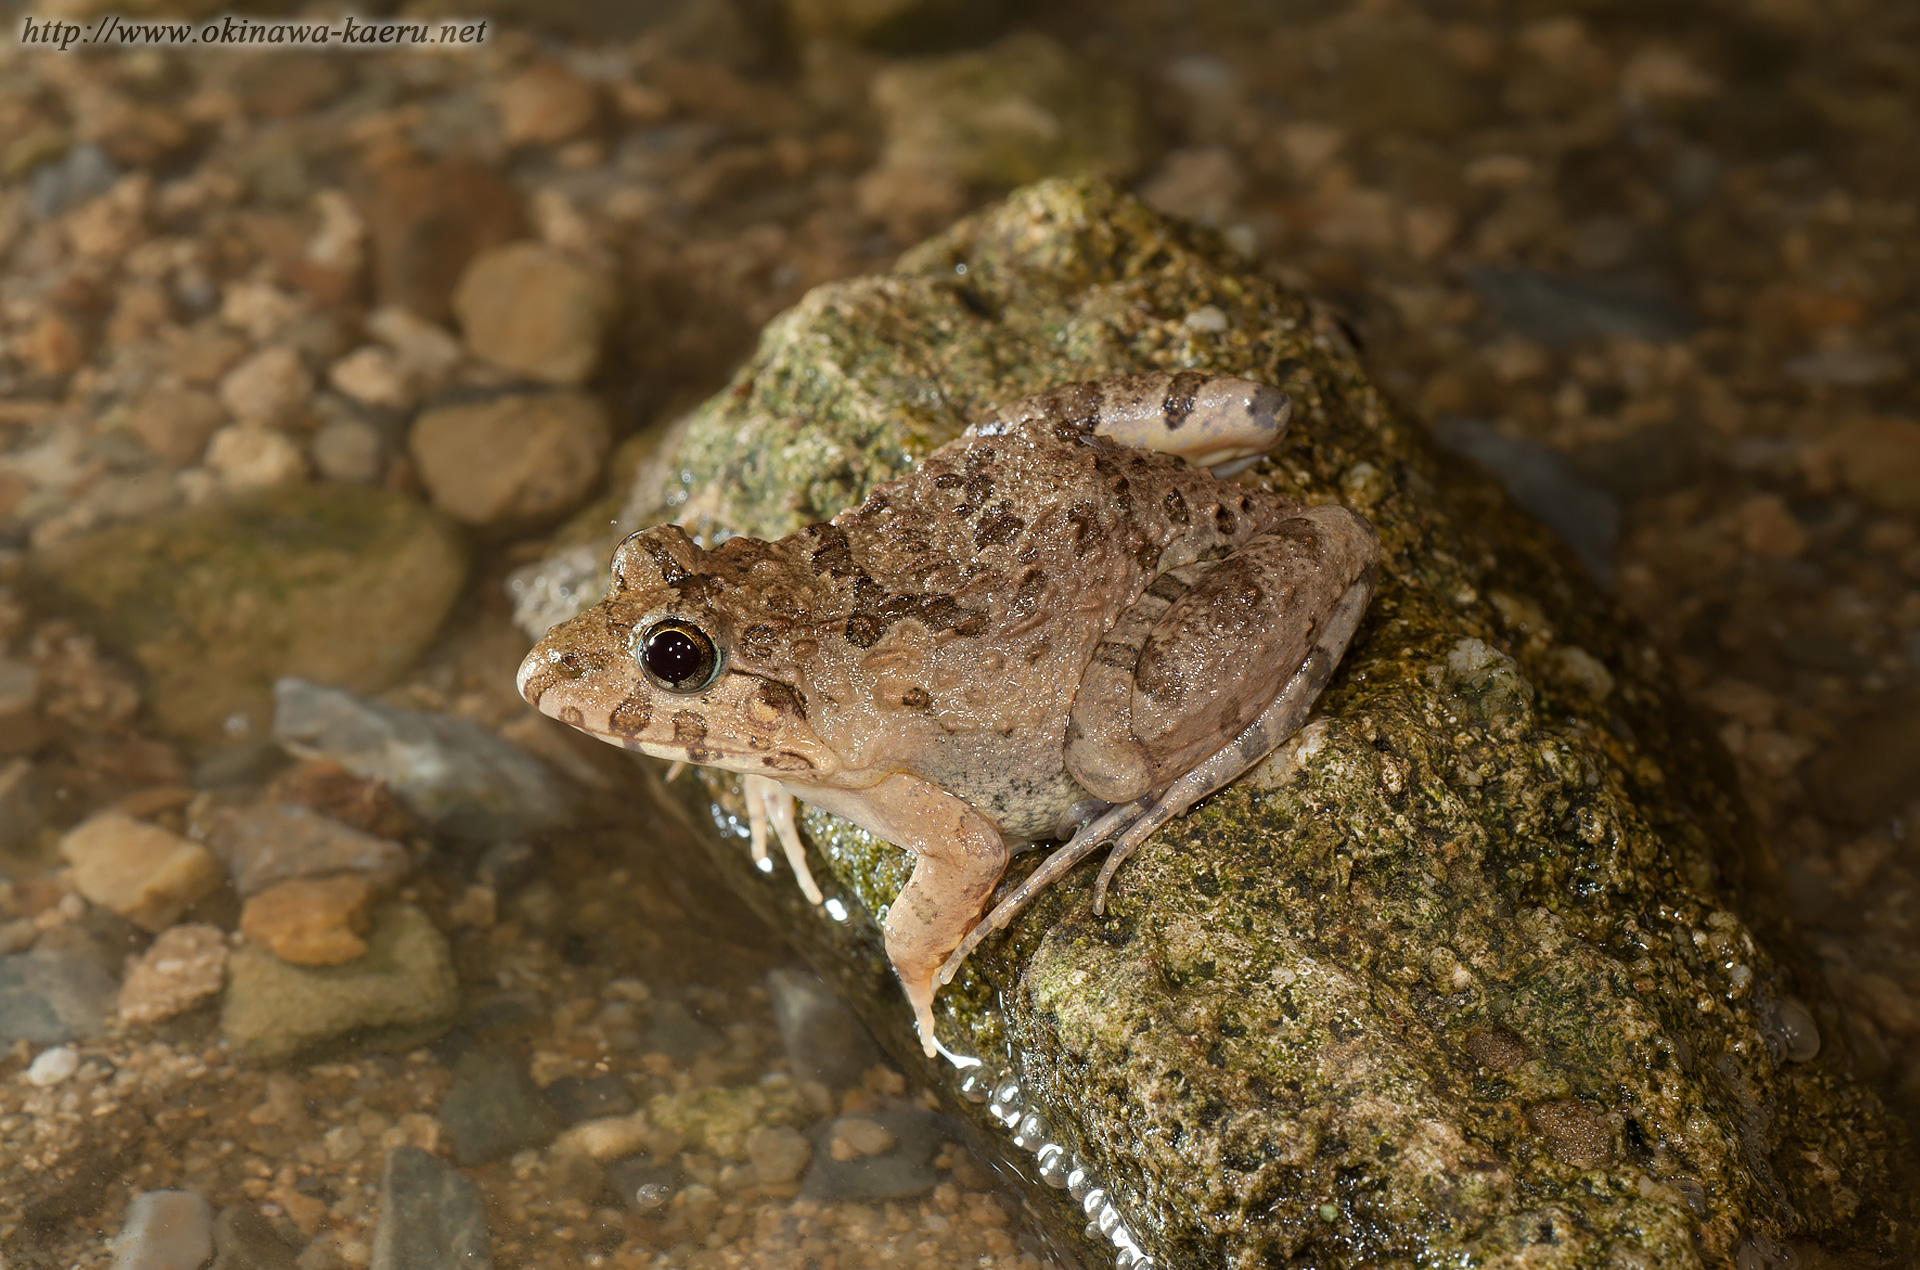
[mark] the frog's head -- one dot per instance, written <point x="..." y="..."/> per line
<point x="653" y="667"/>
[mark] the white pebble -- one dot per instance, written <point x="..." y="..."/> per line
<point x="53" y="1066"/>
<point x="1206" y="318"/>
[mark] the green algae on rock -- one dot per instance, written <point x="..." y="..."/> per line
<point x="400" y="993"/>
<point x="1481" y="968"/>
<point x="333" y="583"/>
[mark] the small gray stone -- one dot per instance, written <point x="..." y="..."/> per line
<point x="50" y="997"/>
<point x="824" y="1038"/>
<point x="165" y="1230"/>
<point x="83" y="172"/>
<point x="272" y="842"/>
<point x="244" y="1240"/>
<point x="451" y="772"/>
<point x="431" y="1217"/>
<point x="1546" y="485"/>
<point x="492" y="1109"/>
<point x="899" y="1173"/>
<point x="1561" y="312"/>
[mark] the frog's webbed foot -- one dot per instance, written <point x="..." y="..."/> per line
<point x="769" y="802"/>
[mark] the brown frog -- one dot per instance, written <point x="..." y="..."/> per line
<point x="1062" y="625"/>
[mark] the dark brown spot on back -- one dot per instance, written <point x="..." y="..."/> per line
<point x="571" y="715"/>
<point x="998" y="529"/>
<point x="864" y="630"/>
<point x="1175" y="507"/>
<point x="1223" y="520"/>
<point x="916" y="698"/>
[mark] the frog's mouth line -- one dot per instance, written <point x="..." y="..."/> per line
<point x="647" y="716"/>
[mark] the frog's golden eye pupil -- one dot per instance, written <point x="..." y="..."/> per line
<point x="678" y="656"/>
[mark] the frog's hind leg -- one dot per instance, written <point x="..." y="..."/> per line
<point x="1212" y="421"/>
<point x="768" y="802"/>
<point x="1128" y="825"/>
<point x="1280" y="720"/>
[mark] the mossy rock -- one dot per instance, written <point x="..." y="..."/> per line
<point x="1483" y="968"/>
<point x="333" y="583"/>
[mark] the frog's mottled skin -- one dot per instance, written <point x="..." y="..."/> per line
<point x="1052" y="623"/>
<point x="1482" y="969"/>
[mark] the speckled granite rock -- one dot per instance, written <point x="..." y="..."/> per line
<point x="1482" y="969"/>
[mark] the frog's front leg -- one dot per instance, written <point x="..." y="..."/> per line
<point x="769" y="803"/>
<point x="959" y="857"/>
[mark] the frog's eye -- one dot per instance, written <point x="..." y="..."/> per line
<point x="678" y="656"/>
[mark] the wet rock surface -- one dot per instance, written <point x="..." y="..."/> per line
<point x="1498" y="822"/>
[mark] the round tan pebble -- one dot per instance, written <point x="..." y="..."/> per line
<point x="855" y="1136"/>
<point x="533" y="311"/>
<point x="544" y="105"/>
<point x="142" y="872"/>
<point x="183" y="967"/>
<point x="311" y="921"/>
<point x="372" y="376"/>
<point x="270" y="388"/>
<point x="176" y="422"/>
<point x="348" y="450"/>
<point x="517" y="459"/>
<point x="778" y="1155"/>
<point x="251" y="457"/>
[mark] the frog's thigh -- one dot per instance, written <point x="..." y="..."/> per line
<point x="1216" y="656"/>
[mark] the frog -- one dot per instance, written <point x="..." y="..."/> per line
<point x="1065" y="627"/>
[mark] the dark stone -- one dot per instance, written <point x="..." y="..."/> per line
<point x="48" y="997"/>
<point x="824" y="1038"/>
<point x="1873" y="769"/>
<point x="244" y="1240"/>
<point x="1560" y="312"/>
<point x="492" y="1109"/>
<point x="1541" y="481"/>
<point x="900" y="1173"/>
<point x="577" y="1098"/>
<point x="431" y="1217"/>
<point x="675" y="1032"/>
